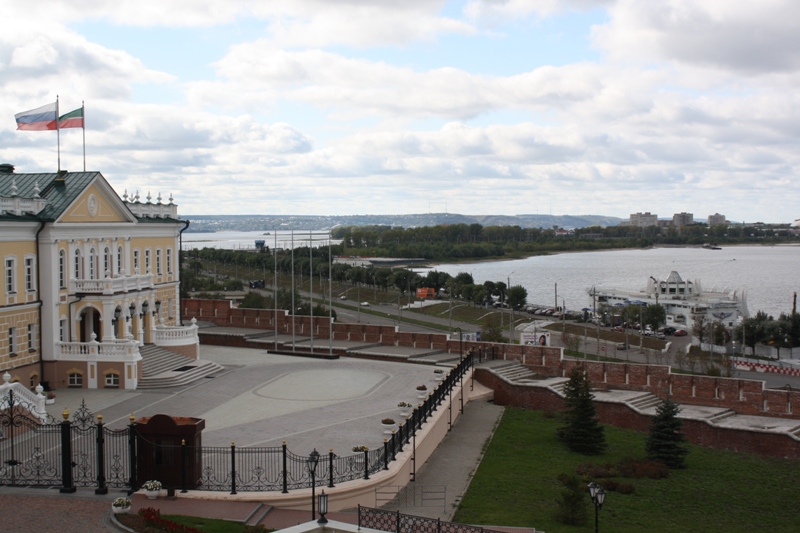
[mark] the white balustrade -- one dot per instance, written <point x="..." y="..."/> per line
<point x="153" y="210"/>
<point x="113" y="285"/>
<point x="32" y="401"/>
<point x="176" y="335"/>
<point x="15" y="205"/>
<point x="98" y="351"/>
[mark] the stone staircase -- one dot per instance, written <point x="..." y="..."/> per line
<point x="517" y="373"/>
<point x="162" y="368"/>
<point x="645" y="401"/>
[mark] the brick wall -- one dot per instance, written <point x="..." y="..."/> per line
<point x="620" y="415"/>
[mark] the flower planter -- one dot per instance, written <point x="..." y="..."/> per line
<point x="422" y="394"/>
<point x="152" y="494"/>
<point x="121" y="510"/>
<point x="405" y="412"/>
<point x="49" y="401"/>
<point x="438" y="377"/>
<point x="388" y="428"/>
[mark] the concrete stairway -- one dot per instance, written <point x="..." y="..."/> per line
<point x="517" y="373"/>
<point x="162" y="368"/>
<point x="645" y="401"/>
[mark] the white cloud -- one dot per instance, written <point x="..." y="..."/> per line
<point x="736" y="35"/>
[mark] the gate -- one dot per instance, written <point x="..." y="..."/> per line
<point x="81" y="453"/>
<point x="30" y="452"/>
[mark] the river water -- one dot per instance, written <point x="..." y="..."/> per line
<point x="769" y="274"/>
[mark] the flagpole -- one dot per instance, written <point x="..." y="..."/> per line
<point x="58" y="137"/>
<point x="83" y="114"/>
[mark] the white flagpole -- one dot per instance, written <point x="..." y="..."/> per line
<point x="58" y="137"/>
<point x="83" y="121"/>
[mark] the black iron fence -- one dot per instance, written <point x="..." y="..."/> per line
<point x="397" y="522"/>
<point x="85" y="453"/>
<point x="255" y="469"/>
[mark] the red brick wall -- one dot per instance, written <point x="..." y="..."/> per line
<point x="620" y="415"/>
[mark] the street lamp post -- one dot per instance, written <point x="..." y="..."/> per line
<point x="598" y="496"/>
<point x="311" y="464"/>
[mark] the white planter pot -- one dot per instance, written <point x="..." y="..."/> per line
<point x="422" y="394"/>
<point x="49" y="401"/>
<point x="388" y="428"/>
<point x="439" y="377"/>
<point x="152" y="494"/>
<point x="121" y="510"/>
<point x="405" y="412"/>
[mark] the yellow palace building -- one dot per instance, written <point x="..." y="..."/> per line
<point x="89" y="280"/>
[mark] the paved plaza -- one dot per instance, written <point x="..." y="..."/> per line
<point x="262" y="399"/>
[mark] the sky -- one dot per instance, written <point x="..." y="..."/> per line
<point x="345" y="107"/>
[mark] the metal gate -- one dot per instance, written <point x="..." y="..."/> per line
<point x="30" y="452"/>
<point x="81" y="453"/>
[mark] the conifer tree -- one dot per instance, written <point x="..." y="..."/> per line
<point x="665" y="440"/>
<point x="582" y="432"/>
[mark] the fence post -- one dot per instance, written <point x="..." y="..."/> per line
<point x="66" y="455"/>
<point x="233" y="467"/>
<point x="101" y="458"/>
<point x="366" y="464"/>
<point x="330" y="468"/>
<point x="134" y="481"/>
<point x="398" y="522"/>
<point x="385" y="454"/>
<point x="285" y="473"/>
<point x="394" y="447"/>
<point x="438" y="525"/>
<point x="183" y="467"/>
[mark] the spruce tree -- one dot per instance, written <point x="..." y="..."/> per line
<point x="582" y="432"/>
<point x="665" y="441"/>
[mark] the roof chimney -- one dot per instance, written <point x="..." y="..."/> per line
<point x="61" y="177"/>
<point x="6" y="168"/>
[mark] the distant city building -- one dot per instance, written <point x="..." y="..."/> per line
<point x="643" y="220"/>
<point x="682" y="219"/>
<point x="716" y="220"/>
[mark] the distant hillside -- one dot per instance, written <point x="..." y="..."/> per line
<point x="213" y="223"/>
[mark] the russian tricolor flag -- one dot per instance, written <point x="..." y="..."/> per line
<point x="39" y="119"/>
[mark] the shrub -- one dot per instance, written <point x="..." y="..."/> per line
<point x="625" y="488"/>
<point x="153" y="518"/>
<point x="421" y="387"/>
<point x="572" y="501"/>
<point x="640" y="468"/>
<point x="388" y="421"/>
<point x="595" y="471"/>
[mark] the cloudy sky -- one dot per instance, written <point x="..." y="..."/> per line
<point x="386" y="107"/>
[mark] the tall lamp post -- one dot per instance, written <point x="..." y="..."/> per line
<point x="598" y="496"/>
<point x="311" y="464"/>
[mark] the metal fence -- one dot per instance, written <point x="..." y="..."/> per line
<point x="397" y="522"/>
<point x="84" y="453"/>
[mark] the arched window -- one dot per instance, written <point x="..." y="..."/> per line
<point x="106" y="262"/>
<point x="62" y="269"/>
<point x="92" y="256"/>
<point x="78" y="264"/>
<point x="119" y="259"/>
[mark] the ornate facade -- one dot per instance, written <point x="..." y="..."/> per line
<point x="89" y="277"/>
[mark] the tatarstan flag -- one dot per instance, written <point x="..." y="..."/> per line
<point x="73" y="119"/>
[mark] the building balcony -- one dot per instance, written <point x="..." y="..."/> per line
<point x="158" y="210"/>
<point x="126" y="351"/>
<point x="118" y="285"/>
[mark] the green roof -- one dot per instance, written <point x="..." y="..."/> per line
<point x="59" y="195"/>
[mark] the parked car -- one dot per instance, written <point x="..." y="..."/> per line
<point x="364" y="304"/>
<point x="622" y="346"/>
<point x="661" y="336"/>
<point x="680" y="333"/>
<point x="343" y="297"/>
<point x="669" y="330"/>
<point x="618" y="328"/>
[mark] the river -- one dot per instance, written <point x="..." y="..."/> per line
<point x="769" y="274"/>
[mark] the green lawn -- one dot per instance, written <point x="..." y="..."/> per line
<point x="517" y="485"/>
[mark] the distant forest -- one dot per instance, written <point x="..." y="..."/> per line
<point x="473" y="241"/>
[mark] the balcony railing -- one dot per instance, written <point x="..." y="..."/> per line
<point x="126" y="351"/>
<point x="15" y="205"/>
<point x="176" y="335"/>
<point x="112" y="285"/>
